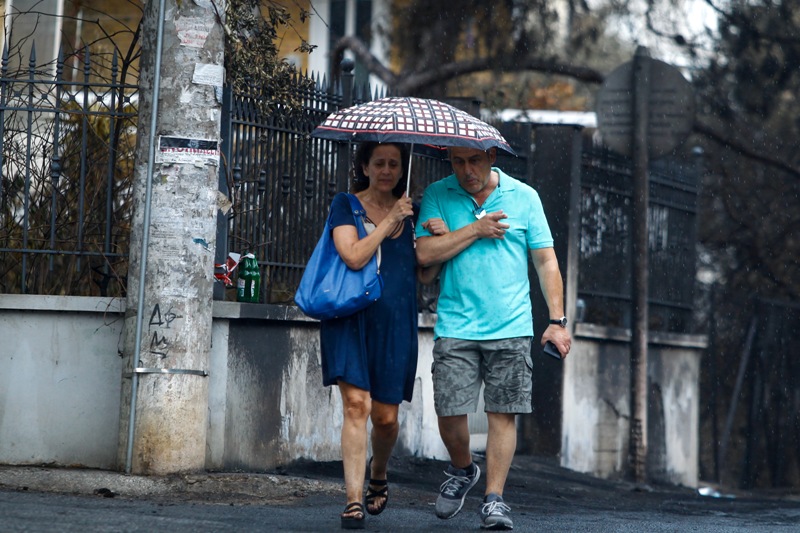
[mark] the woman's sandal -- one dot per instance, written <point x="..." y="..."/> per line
<point x="353" y="516"/>
<point x="373" y="495"/>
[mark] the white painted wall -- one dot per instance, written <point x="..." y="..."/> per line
<point x="60" y="387"/>
<point x="318" y="34"/>
<point x="60" y="374"/>
<point x="596" y="404"/>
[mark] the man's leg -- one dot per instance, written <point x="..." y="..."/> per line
<point x="456" y="385"/>
<point x="507" y="392"/>
<point x="462" y="473"/>
<point x="501" y="444"/>
<point x="454" y="431"/>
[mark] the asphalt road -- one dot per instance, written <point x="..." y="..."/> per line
<point x="309" y="497"/>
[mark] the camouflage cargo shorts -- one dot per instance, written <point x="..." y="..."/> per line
<point x="504" y="366"/>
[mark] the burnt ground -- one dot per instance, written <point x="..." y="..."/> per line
<point x="539" y="482"/>
<point x="308" y="496"/>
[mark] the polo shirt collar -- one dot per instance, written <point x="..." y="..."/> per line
<point x="505" y="183"/>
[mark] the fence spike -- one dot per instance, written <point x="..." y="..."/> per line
<point x="4" y="67"/>
<point x="60" y="64"/>
<point x="114" y="66"/>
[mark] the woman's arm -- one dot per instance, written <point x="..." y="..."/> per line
<point x="356" y="252"/>
<point x="428" y="274"/>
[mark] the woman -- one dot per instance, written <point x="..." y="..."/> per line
<point x="372" y="355"/>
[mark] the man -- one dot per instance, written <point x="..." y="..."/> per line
<point x="484" y="326"/>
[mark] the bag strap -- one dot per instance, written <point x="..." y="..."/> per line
<point x="358" y="214"/>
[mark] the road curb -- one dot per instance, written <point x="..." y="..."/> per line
<point x="240" y="486"/>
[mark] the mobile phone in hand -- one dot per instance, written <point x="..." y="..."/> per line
<point x="551" y="350"/>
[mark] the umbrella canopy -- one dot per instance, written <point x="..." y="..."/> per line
<point x="410" y="120"/>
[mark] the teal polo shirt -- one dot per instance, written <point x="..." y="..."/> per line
<point x="484" y="290"/>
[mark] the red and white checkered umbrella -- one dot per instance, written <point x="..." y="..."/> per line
<point x="410" y="120"/>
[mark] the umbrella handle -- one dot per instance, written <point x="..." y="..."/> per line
<point x="408" y="179"/>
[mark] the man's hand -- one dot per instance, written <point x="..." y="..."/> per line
<point x="558" y="336"/>
<point x="490" y="227"/>
<point x="440" y="248"/>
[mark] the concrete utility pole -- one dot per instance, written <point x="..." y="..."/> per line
<point x="639" y="269"/>
<point x="645" y="109"/>
<point x="167" y="338"/>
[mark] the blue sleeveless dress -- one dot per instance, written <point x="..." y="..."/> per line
<point x="376" y="348"/>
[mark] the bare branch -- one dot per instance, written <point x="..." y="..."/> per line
<point x="362" y="52"/>
<point x="720" y="138"/>
<point x="415" y="82"/>
<point x="412" y="83"/>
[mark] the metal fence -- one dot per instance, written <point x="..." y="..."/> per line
<point x="604" y="283"/>
<point x="65" y="169"/>
<point x="282" y="181"/>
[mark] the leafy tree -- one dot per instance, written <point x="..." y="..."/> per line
<point x="253" y="63"/>
<point x="498" y="51"/>
<point x="750" y="207"/>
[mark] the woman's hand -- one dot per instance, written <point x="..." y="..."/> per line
<point x="435" y="226"/>
<point x="401" y="210"/>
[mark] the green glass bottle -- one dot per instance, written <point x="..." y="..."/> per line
<point x="243" y="281"/>
<point x="255" y="280"/>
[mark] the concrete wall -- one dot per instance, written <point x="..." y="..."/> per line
<point x="61" y="381"/>
<point x="268" y="403"/>
<point x="60" y="372"/>
<point x="596" y="405"/>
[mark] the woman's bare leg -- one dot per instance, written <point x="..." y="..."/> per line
<point x="356" y="405"/>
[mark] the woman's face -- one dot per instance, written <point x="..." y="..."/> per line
<point x="384" y="167"/>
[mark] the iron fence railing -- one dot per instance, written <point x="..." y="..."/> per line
<point x="281" y="183"/>
<point x="605" y="241"/>
<point x="65" y="168"/>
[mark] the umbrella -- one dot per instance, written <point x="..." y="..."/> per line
<point x="413" y="121"/>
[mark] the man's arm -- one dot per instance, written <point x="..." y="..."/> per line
<point x="436" y="249"/>
<point x="546" y="265"/>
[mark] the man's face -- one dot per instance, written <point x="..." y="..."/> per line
<point x="473" y="167"/>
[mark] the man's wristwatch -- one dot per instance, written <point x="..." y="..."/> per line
<point x="559" y="321"/>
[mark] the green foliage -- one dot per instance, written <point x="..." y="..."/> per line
<point x="499" y="51"/>
<point x="253" y="65"/>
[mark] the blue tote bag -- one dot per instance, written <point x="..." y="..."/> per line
<point x="331" y="289"/>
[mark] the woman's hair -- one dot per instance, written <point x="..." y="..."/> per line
<point x="360" y="181"/>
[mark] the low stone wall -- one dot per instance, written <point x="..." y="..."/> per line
<point x="61" y="382"/>
<point x="596" y="405"/>
<point x="268" y="404"/>
<point x="62" y="378"/>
